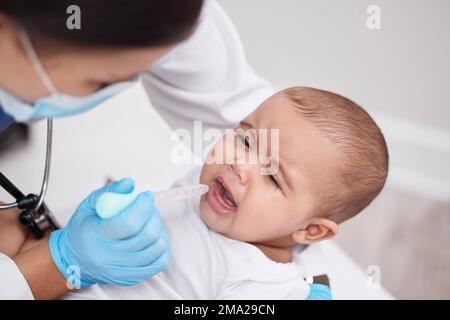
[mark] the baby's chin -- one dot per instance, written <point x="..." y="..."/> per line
<point x="212" y="219"/>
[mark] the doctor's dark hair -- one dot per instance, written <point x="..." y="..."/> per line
<point x="362" y="161"/>
<point x="107" y="23"/>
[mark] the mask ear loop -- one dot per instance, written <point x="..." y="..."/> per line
<point x="37" y="65"/>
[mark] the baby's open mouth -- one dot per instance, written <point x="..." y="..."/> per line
<point x="220" y="198"/>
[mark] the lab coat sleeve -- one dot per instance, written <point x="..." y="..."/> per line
<point x="207" y="77"/>
<point x="12" y="282"/>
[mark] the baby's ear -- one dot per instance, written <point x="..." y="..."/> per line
<point x="318" y="229"/>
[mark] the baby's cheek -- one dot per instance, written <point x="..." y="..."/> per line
<point x="271" y="219"/>
<point x="254" y="221"/>
<point x="209" y="173"/>
<point x="204" y="174"/>
<point x="217" y="153"/>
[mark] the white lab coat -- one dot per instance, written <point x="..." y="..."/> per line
<point x="208" y="78"/>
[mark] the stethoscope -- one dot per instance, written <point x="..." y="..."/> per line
<point x="34" y="212"/>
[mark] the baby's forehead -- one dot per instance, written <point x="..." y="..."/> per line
<point x="279" y="114"/>
<point x="276" y="111"/>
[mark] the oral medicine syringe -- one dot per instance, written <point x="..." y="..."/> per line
<point x="110" y="203"/>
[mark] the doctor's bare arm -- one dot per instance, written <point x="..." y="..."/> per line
<point x="13" y="235"/>
<point x="31" y="256"/>
<point x="41" y="273"/>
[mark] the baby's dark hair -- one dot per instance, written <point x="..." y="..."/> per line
<point x="360" y="143"/>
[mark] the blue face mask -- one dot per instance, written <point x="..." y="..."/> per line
<point x="55" y="105"/>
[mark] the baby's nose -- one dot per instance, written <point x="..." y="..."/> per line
<point x="243" y="171"/>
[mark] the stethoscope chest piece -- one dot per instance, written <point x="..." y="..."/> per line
<point x="38" y="221"/>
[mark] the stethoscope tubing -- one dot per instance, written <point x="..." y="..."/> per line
<point x="45" y="179"/>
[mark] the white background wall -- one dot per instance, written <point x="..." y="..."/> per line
<point x="402" y="70"/>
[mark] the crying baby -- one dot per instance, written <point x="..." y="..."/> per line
<point x="248" y="237"/>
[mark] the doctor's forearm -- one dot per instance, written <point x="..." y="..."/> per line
<point x="41" y="273"/>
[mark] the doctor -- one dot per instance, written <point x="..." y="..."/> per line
<point x="191" y="63"/>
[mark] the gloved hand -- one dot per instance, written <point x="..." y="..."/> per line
<point x="123" y="250"/>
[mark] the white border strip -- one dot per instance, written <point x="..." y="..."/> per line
<point x="419" y="157"/>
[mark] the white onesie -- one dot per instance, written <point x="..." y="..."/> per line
<point x="207" y="265"/>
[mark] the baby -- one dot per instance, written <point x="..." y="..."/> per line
<point x="244" y="238"/>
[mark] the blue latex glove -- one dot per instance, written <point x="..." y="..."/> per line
<point x="319" y="292"/>
<point x="123" y="250"/>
